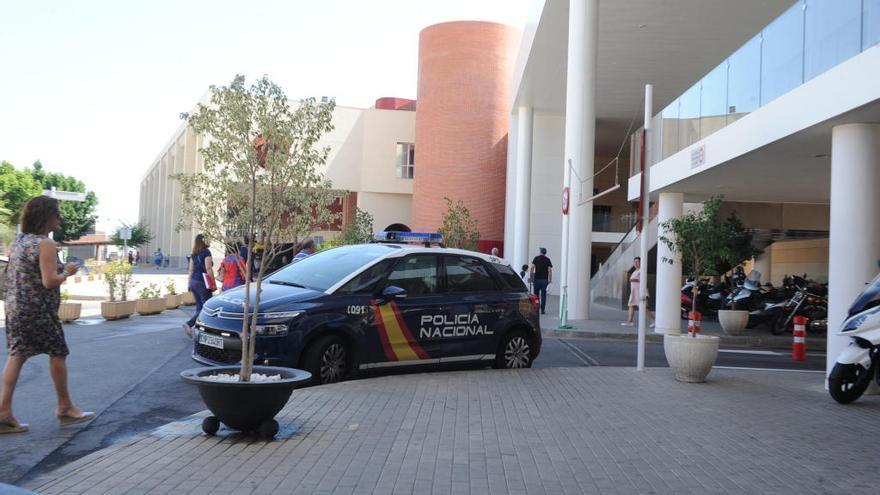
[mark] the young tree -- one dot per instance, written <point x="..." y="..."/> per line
<point x="361" y="230"/>
<point x="459" y="228"/>
<point x="140" y="235"/>
<point x="261" y="180"/>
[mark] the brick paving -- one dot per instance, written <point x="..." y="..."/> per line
<point x="556" y="431"/>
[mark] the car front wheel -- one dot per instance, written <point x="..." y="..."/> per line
<point x="327" y="360"/>
<point x="515" y="351"/>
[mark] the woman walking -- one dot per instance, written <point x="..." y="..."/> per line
<point x="201" y="278"/>
<point x="232" y="269"/>
<point x="33" y="277"/>
<point x="634" y="291"/>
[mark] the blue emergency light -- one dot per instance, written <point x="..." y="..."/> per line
<point x="426" y="238"/>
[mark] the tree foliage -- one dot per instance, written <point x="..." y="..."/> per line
<point x="459" y="229"/>
<point x="704" y="242"/>
<point x="141" y="235"/>
<point x="361" y="230"/>
<point x="261" y="180"/>
<point x="17" y="187"/>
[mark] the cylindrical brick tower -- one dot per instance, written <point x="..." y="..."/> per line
<point x="465" y="72"/>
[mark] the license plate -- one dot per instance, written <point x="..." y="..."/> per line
<point x="211" y="340"/>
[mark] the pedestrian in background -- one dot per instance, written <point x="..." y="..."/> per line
<point x="635" y="279"/>
<point x="232" y="269"/>
<point x="541" y="276"/>
<point x="306" y="249"/>
<point x="32" y="296"/>
<point x="157" y="258"/>
<point x="201" y="278"/>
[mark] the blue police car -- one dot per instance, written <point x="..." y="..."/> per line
<point x="384" y="304"/>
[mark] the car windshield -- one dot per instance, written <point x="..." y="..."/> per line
<point x="326" y="268"/>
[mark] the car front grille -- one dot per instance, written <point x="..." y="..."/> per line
<point x="218" y="355"/>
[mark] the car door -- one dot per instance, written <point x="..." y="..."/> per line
<point x="401" y="323"/>
<point x="474" y="303"/>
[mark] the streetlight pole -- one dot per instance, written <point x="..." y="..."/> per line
<point x="643" y="236"/>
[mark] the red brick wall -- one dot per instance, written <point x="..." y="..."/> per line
<point x="465" y="71"/>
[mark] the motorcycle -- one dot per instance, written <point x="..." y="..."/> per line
<point x="709" y="298"/>
<point x="803" y="303"/>
<point x="857" y="364"/>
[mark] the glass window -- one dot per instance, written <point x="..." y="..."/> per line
<point x="782" y="54"/>
<point x="669" y="129"/>
<point x="832" y="34"/>
<point x="366" y="282"/>
<point x="713" y="101"/>
<point x="511" y="278"/>
<point x="689" y="117"/>
<point x="744" y="80"/>
<point x="870" y="23"/>
<point x="416" y="274"/>
<point x="405" y="162"/>
<point x="325" y="269"/>
<point x="467" y="275"/>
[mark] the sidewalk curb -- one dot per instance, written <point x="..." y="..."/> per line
<point x="770" y="341"/>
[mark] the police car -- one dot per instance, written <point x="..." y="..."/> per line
<point x="378" y="305"/>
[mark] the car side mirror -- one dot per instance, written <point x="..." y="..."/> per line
<point x="392" y="293"/>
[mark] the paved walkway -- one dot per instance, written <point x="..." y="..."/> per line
<point x="562" y="430"/>
<point x="605" y="323"/>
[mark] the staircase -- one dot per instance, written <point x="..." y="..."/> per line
<point x="611" y="282"/>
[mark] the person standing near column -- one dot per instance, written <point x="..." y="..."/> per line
<point x="32" y="297"/>
<point x="541" y="274"/>
<point x="635" y="278"/>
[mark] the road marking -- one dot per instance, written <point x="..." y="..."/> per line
<point x="578" y="353"/>
<point x="763" y="353"/>
<point x="766" y="369"/>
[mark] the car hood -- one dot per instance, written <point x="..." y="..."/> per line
<point x="273" y="297"/>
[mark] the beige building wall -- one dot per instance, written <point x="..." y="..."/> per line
<point x="799" y="257"/>
<point x="363" y="147"/>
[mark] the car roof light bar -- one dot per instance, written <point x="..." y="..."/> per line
<point x="426" y="238"/>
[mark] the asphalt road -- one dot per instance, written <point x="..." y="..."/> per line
<point x="127" y="371"/>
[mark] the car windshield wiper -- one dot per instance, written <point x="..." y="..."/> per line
<point x="289" y="284"/>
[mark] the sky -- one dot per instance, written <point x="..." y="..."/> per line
<point x="94" y="89"/>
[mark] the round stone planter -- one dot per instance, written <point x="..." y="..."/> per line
<point x="691" y="357"/>
<point x="188" y="299"/>
<point x="68" y="311"/>
<point x="117" y="310"/>
<point x="733" y="322"/>
<point x="246" y="406"/>
<point x="172" y="301"/>
<point x="152" y="306"/>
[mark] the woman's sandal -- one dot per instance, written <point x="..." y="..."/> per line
<point x="67" y="420"/>
<point x="8" y="426"/>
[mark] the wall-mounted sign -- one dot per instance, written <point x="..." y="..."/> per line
<point x="698" y="156"/>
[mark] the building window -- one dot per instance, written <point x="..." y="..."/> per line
<point x="406" y="158"/>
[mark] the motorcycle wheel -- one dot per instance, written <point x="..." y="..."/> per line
<point x="776" y="327"/>
<point x="849" y="382"/>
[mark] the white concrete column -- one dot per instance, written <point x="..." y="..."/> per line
<point x="763" y="264"/>
<point x="510" y="191"/>
<point x="854" y="245"/>
<point x="580" y="137"/>
<point x="522" y="210"/>
<point x="668" y="296"/>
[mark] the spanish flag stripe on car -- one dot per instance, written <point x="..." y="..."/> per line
<point x="397" y="341"/>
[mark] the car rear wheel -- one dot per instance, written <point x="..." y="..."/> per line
<point x="327" y="359"/>
<point x="515" y="351"/>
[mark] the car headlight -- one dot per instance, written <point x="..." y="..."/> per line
<point x="271" y="329"/>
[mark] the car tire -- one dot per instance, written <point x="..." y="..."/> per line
<point x="327" y="359"/>
<point x="515" y="351"/>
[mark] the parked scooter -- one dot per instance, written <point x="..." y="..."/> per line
<point x="857" y="364"/>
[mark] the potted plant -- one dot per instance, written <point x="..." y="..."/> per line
<point x="172" y="298"/>
<point x="68" y="311"/>
<point x="187" y="299"/>
<point x="117" y="276"/>
<point x="262" y="184"/>
<point x="150" y="300"/>
<point x="702" y="242"/>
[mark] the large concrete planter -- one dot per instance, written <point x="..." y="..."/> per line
<point x="152" y="306"/>
<point x="172" y="301"/>
<point x="68" y="311"/>
<point x="117" y="310"/>
<point x="77" y="278"/>
<point x="91" y="277"/>
<point x="188" y="299"/>
<point x="691" y="357"/>
<point x="733" y="322"/>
